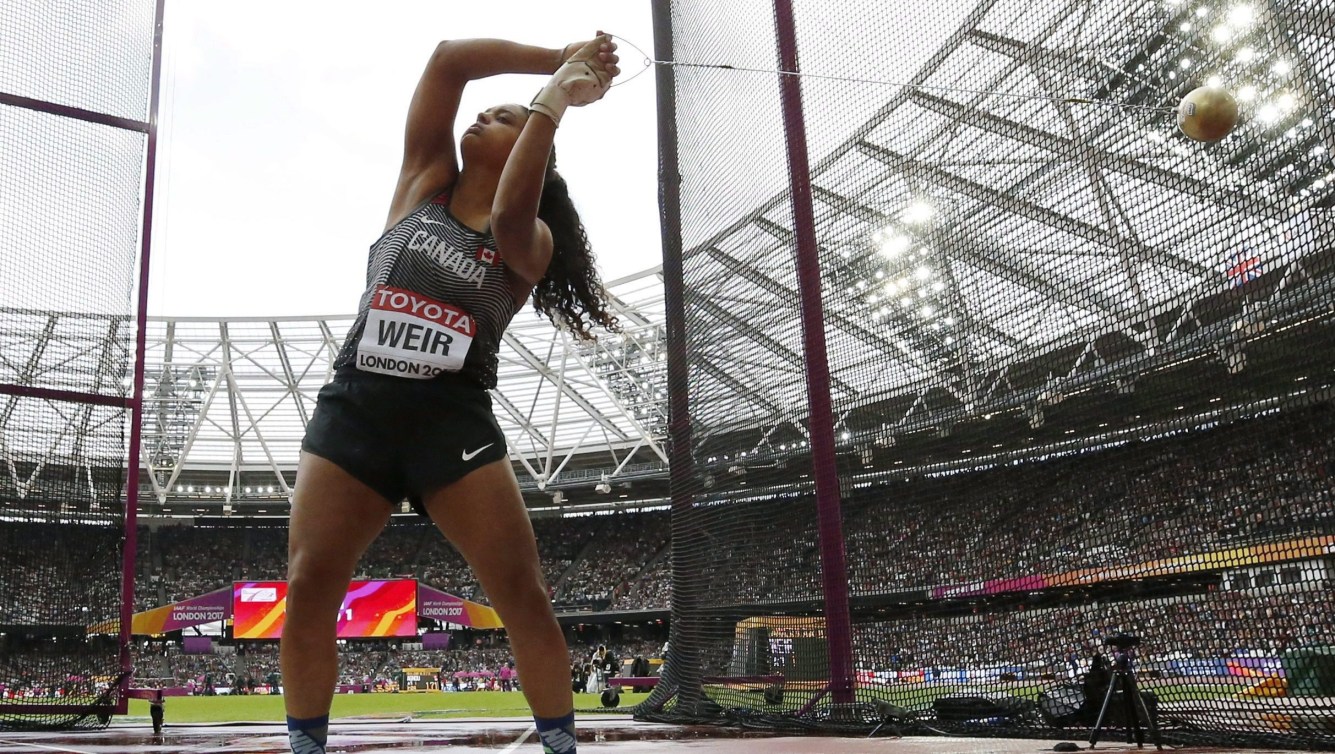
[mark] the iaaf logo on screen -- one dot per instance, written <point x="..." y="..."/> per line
<point x="259" y="594"/>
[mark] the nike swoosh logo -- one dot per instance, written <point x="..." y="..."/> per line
<point x="432" y="222"/>
<point x="470" y="456"/>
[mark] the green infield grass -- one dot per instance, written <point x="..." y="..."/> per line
<point x="222" y="709"/>
<point x="434" y="705"/>
<point x="510" y="703"/>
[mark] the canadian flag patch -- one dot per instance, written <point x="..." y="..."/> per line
<point x="487" y="256"/>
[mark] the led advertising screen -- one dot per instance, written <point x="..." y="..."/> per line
<point x="371" y="608"/>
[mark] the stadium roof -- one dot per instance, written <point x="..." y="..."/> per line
<point x="235" y="395"/>
<point x="988" y="245"/>
<point x="980" y="224"/>
<point x="227" y="400"/>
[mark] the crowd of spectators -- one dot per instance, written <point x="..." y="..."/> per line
<point x="1264" y="480"/>
<point x="622" y="546"/>
<point x="477" y="658"/>
<point x="1060" y="640"/>
<point x="56" y="667"/>
<point x="1053" y="641"/>
<point x="252" y="667"/>
<point x="560" y="543"/>
<point x="164" y="664"/>
<point x="53" y="574"/>
<point x="196" y="560"/>
<point x="186" y="561"/>
<point x="1147" y="501"/>
<point x="652" y="589"/>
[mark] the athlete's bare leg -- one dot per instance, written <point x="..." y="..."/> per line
<point x="484" y="516"/>
<point x="334" y="518"/>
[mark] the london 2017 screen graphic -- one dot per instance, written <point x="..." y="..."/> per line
<point x="371" y="608"/>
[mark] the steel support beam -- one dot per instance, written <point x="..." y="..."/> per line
<point x="1008" y="203"/>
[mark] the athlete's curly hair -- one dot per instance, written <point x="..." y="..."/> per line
<point x="571" y="292"/>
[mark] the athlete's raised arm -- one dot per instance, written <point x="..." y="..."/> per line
<point x="524" y="240"/>
<point x="430" y="162"/>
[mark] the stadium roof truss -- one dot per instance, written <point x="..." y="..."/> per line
<point x="227" y="400"/>
<point x="1039" y="240"/>
<point x="965" y="236"/>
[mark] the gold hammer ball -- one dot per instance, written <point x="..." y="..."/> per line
<point x="1207" y="114"/>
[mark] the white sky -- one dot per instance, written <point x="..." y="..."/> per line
<point x="281" y="131"/>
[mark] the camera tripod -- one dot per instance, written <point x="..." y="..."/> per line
<point x="1123" y="677"/>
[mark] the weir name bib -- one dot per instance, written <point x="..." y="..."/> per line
<point x="410" y="335"/>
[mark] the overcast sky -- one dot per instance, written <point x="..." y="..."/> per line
<point x="282" y="130"/>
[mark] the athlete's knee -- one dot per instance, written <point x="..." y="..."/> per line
<point x="306" y="575"/>
<point x="314" y="587"/>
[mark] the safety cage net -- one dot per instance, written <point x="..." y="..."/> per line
<point x="74" y="110"/>
<point x="1077" y="456"/>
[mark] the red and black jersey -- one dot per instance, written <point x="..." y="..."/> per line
<point x="438" y="298"/>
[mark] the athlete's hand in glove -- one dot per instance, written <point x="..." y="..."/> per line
<point x="582" y="79"/>
<point x="601" y="51"/>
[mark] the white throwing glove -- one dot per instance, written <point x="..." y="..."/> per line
<point x="575" y="84"/>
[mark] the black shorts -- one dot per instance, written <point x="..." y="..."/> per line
<point x="404" y="438"/>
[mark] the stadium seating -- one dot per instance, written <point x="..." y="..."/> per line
<point x="1252" y="481"/>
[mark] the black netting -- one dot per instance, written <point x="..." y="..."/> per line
<point x="71" y="182"/>
<point x="70" y="212"/>
<point x="1080" y="368"/>
<point x="79" y="53"/>
<point x="62" y="538"/>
